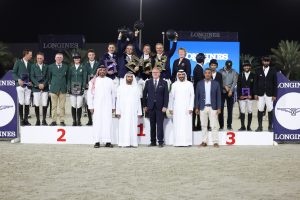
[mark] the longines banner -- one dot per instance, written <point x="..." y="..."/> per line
<point x="287" y="110"/>
<point x="8" y="107"/>
<point x="51" y="44"/>
<point x="208" y="36"/>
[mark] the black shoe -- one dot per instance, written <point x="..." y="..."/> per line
<point x="53" y="124"/>
<point x="44" y="123"/>
<point x="221" y="129"/>
<point x="209" y="128"/>
<point x="249" y="129"/>
<point x="152" y="145"/>
<point x="38" y="123"/>
<point x="74" y="124"/>
<point x="26" y="123"/>
<point x="242" y="129"/>
<point x="108" y="144"/>
<point x="160" y="145"/>
<point x="97" y="145"/>
<point x="90" y="123"/>
<point x="229" y="128"/>
<point x="270" y="129"/>
<point x="62" y="124"/>
<point x="22" y="123"/>
<point x="78" y="123"/>
<point x="259" y="129"/>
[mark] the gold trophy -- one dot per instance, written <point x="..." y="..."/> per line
<point x="133" y="64"/>
<point x="161" y="63"/>
<point x="146" y="65"/>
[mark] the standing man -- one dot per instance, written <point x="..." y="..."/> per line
<point x="58" y="73"/>
<point x="101" y="102"/>
<point x="198" y="76"/>
<point x="109" y="60"/>
<point x="128" y="110"/>
<point x="39" y="78"/>
<point x="21" y="74"/>
<point x="229" y="77"/>
<point x="91" y="69"/>
<point x="265" y="91"/>
<point x="76" y="84"/>
<point x="181" y="107"/>
<point x="156" y="99"/>
<point x="216" y="76"/>
<point x="208" y="105"/>
<point x="245" y="94"/>
<point x="162" y="59"/>
<point x="181" y="63"/>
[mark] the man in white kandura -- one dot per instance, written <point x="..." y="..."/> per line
<point x="181" y="105"/>
<point x="128" y="110"/>
<point x="101" y="102"/>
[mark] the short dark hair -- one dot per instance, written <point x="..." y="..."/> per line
<point x="59" y="53"/>
<point x="40" y="53"/>
<point x="26" y="51"/>
<point x="111" y="43"/>
<point x="207" y="69"/>
<point x="91" y="51"/>
<point x="147" y="45"/>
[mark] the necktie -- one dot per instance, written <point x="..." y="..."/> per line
<point x="155" y="84"/>
<point x="58" y="66"/>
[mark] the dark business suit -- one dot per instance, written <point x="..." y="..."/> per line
<point x="219" y="79"/>
<point x="265" y="84"/>
<point x="155" y="99"/>
<point x="198" y="76"/>
<point x="185" y="65"/>
<point x="106" y="58"/>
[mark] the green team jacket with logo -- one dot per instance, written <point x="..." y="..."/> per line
<point x="39" y="76"/>
<point x="19" y="69"/>
<point x="77" y="76"/>
<point x="58" y="78"/>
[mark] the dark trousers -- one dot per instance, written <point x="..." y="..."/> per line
<point x="156" y="121"/>
<point x="229" y="102"/>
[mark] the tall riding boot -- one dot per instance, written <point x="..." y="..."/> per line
<point x="26" y="113"/>
<point x="260" y="118"/>
<point x="79" y="112"/>
<point x="249" y="122"/>
<point x="73" y="111"/>
<point x="242" y="117"/>
<point x="270" y="119"/>
<point x="21" y="114"/>
<point x="37" y="114"/>
<point x="44" y="122"/>
<point x="90" y="122"/>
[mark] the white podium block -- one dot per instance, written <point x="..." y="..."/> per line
<point x="84" y="135"/>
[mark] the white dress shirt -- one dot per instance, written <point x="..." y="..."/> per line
<point x="207" y="85"/>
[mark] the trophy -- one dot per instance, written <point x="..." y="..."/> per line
<point x="171" y="34"/>
<point x="146" y="65"/>
<point x="245" y="91"/>
<point x="25" y="79"/>
<point x="76" y="88"/>
<point x="126" y="33"/>
<point x="161" y="63"/>
<point x="111" y="66"/>
<point x="138" y="25"/>
<point x="133" y="64"/>
<point x="40" y="79"/>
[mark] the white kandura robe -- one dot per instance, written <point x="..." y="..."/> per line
<point x="102" y="101"/>
<point x="181" y="101"/>
<point x="128" y="106"/>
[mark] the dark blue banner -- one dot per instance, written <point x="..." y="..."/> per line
<point x="8" y="107"/>
<point x="51" y="44"/>
<point x="208" y="36"/>
<point x="287" y="110"/>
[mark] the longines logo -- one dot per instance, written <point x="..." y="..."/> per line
<point x="63" y="45"/>
<point x="292" y="111"/>
<point x="287" y="109"/>
<point x="209" y="56"/>
<point x="205" y="36"/>
<point x="7" y="108"/>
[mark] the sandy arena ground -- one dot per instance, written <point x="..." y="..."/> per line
<point x="81" y="172"/>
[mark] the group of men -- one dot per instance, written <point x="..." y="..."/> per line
<point x="131" y="83"/>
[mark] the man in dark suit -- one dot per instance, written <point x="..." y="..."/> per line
<point x="245" y="94"/>
<point x="156" y="99"/>
<point x="109" y="59"/>
<point x="216" y="76"/>
<point x="208" y="105"/>
<point x="198" y="76"/>
<point x="160" y="54"/>
<point x="265" y="91"/>
<point x="181" y="63"/>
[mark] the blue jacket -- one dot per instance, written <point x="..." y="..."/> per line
<point x="161" y="94"/>
<point x="215" y="95"/>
